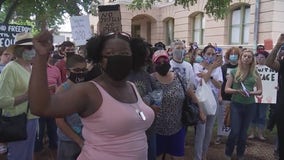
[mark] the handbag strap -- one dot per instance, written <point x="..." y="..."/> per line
<point x="183" y="87"/>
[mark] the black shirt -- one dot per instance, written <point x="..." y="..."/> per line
<point x="224" y="68"/>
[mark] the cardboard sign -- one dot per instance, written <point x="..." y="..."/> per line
<point x="8" y="33"/>
<point x="109" y="19"/>
<point x="81" y="30"/>
<point x="269" y="79"/>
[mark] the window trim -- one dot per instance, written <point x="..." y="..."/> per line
<point x="201" y="28"/>
<point x="242" y="24"/>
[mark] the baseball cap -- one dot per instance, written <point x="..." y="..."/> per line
<point x="158" y="54"/>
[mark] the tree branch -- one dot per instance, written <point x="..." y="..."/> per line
<point x="11" y="11"/>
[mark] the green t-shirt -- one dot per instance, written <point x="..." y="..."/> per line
<point x="14" y="81"/>
<point x="249" y="83"/>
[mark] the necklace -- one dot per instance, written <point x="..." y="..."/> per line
<point x="139" y="112"/>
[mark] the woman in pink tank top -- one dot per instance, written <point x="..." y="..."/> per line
<point x="113" y="114"/>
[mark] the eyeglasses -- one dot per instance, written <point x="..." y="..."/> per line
<point x="122" y="35"/>
<point x="79" y="70"/>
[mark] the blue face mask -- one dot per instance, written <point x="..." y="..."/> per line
<point x="233" y="58"/>
<point x="198" y="59"/>
<point x="28" y="54"/>
<point x="209" y="59"/>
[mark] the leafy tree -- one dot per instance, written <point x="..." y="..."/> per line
<point x="215" y="8"/>
<point x="49" y="13"/>
<point x="43" y="13"/>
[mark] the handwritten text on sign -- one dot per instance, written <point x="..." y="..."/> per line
<point x="81" y="30"/>
<point x="269" y="79"/>
<point x="109" y="19"/>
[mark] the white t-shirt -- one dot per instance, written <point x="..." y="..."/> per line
<point x="185" y="70"/>
<point x="216" y="74"/>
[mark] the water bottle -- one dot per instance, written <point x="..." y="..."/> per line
<point x="157" y="96"/>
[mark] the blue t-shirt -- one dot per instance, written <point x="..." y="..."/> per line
<point x="73" y="120"/>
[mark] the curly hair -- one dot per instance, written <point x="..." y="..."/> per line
<point x="140" y="51"/>
<point x="96" y="44"/>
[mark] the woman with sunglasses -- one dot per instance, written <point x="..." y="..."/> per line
<point x="113" y="114"/>
<point x="14" y="82"/>
<point x="169" y="128"/>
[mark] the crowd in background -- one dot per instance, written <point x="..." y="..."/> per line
<point x="115" y="71"/>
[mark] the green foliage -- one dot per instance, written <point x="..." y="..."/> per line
<point x="44" y="13"/>
<point x="215" y="8"/>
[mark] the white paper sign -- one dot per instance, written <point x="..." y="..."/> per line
<point x="221" y="113"/>
<point x="269" y="79"/>
<point x="81" y="30"/>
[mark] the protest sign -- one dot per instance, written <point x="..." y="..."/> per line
<point x="81" y="30"/>
<point x="221" y="113"/>
<point x="109" y="19"/>
<point x="8" y="33"/>
<point x="269" y="79"/>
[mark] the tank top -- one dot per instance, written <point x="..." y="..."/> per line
<point x="116" y="131"/>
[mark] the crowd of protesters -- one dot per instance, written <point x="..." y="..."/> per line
<point x="97" y="101"/>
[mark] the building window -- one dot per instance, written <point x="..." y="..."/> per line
<point x="240" y="25"/>
<point x="198" y="28"/>
<point x="169" y="30"/>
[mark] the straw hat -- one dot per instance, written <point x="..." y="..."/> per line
<point x="24" y="39"/>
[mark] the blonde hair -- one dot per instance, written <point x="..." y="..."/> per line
<point x="241" y="75"/>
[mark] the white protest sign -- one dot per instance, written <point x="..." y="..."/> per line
<point x="81" y="30"/>
<point x="269" y="79"/>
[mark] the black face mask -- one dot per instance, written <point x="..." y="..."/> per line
<point x="163" y="69"/>
<point x="118" y="67"/>
<point x="77" y="77"/>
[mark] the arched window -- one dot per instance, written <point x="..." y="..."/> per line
<point x="198" y="28"/>
<point x="239" y="27"/>
<point x="169" y="30"/>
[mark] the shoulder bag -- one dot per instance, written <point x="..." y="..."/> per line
<point x="13" y="128"/>
<point x="190" y="111"/>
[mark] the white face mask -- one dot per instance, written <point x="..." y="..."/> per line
<point x="28" y="55"/>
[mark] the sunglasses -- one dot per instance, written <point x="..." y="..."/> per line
<point x="79" y="70"/>
<point x="122" y="35"/>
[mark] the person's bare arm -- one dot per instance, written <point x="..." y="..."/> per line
<point x="41" y="102"/>
<point x="271" y="60"/>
